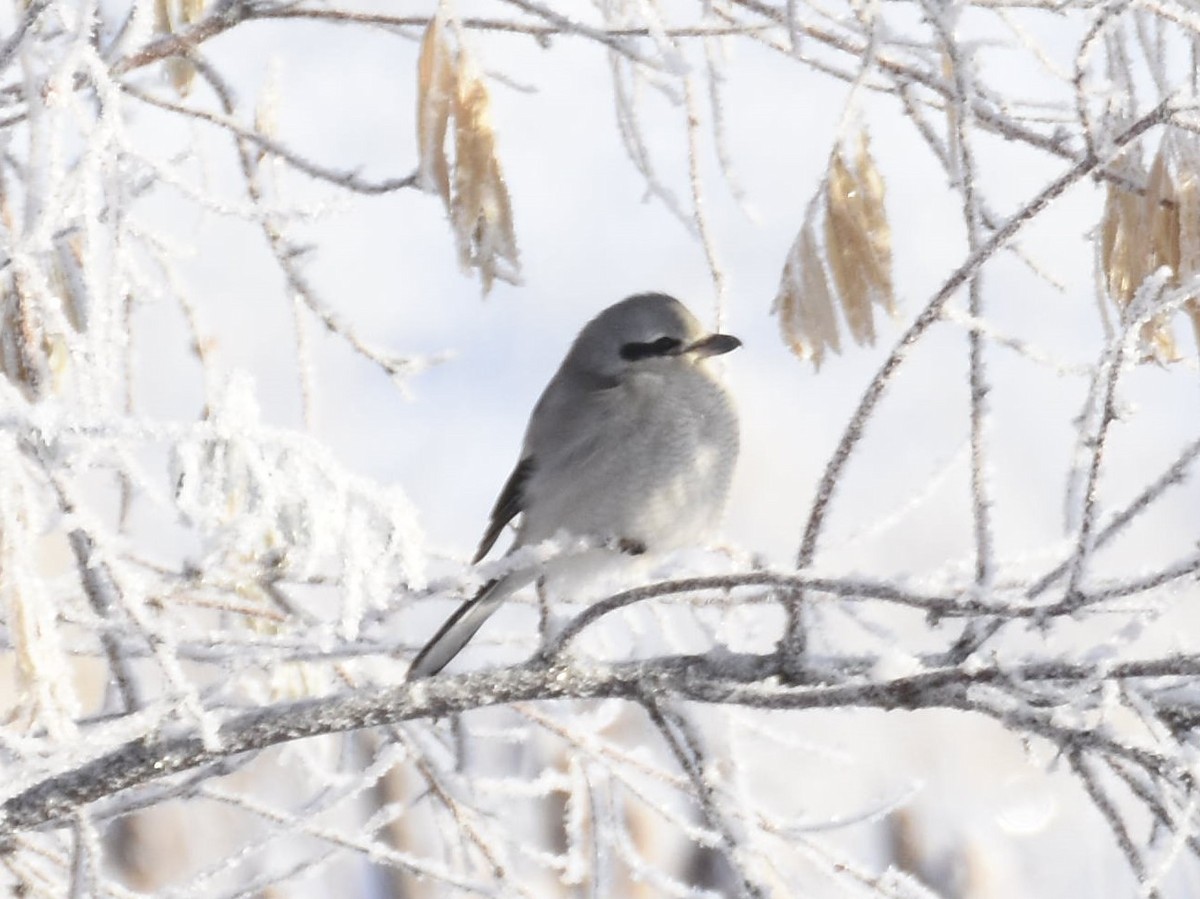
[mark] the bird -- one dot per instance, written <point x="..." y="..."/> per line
<point x="632" y="445"/>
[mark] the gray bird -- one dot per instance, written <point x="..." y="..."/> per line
<point x="631" y="445"/>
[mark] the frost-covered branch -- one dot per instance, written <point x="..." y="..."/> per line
<point x="746" y="680"/>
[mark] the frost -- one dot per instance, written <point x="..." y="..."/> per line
<point x="894" y="664"/>
<point x="272" y="500"/>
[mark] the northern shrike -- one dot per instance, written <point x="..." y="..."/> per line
<point x="632" y="445"/>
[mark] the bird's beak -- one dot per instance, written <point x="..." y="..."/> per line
<point x="713" y="345"/>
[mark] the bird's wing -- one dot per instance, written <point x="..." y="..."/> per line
<point x="555" y="433"/>
<point x="510" y="502"/>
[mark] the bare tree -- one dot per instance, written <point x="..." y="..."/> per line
<point x="206" y="619"/>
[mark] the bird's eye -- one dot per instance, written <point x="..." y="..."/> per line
<point x="664" y="346"/>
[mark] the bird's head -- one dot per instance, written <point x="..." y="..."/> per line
<point x="639" y="332"/>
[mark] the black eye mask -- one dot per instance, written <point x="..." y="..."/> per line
<point x="664" y="346"/>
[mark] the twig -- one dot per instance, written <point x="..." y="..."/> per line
<point x="481" y="23"/>
<point x="347" y="180"/>
<point x="29" y="18"/>
<point x="1096" y="442"/>
<point x="1111" y="815"/>
<point x="1173" y="476"/>
<point x="843" y="589"/>
<point x="684" y="744"/>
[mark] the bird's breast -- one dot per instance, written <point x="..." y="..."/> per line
<point x="651" y="463"/>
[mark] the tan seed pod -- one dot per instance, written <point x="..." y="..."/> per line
<point x="472" y="160"/>
<point x="45" y="696"/>
<point x="163" y="21"/>
<point x="11" y="361"/>
<point x="436" y="92"/>
<point x="473" y="189"/>
<point x="1125" y="246"/>
<point x="858" y="240"/>
<point x="843" y="244"/>
<point x="170" y="16"/>
<point x="23" y="345"/>
<point x="67" y="280"/>
<point x="181" y="72"/>
<point x="1110" y="235"/>
<point x="1141" y="233"/>
<point x="1163" y="212"/>
<point x="191" y="10"/>
<point x="267" y="105"/>
<point x="856" y="271"/>
<point x="480" y="211"/>
<point x="804" y="302"/>
<point x="875" y="215"/>
<point x="1187" y="198"/>
<point x="58" y="361"/>
<point x="1160" y="218"/>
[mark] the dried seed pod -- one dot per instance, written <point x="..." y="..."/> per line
<point x="266" y="108"/>
<point x="858" y="240"/>
<point x="1162" y="213"/>
<point x="68" y="282"/>
<point x="480" y="210"/>
<point x="24" y="347"/>
<point x="436" y="90"/>
<point x="804" y="303"/>
<point x="1143" y="232"/>
<point x="874" y="213"/>
<point x="473" y="189"/>
<point x="171" y="17"/>
<point x="1186" y="196"/>
<point x="857" y="266"/>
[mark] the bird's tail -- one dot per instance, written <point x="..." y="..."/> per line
<point x="460" y="627"/>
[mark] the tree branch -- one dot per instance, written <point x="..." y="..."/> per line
<point x="748" y="680"/>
